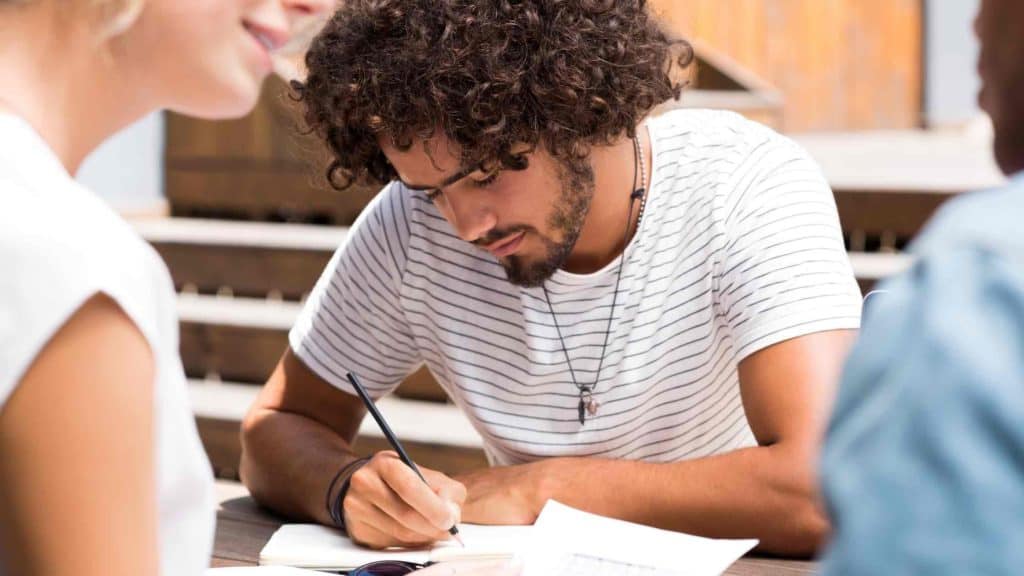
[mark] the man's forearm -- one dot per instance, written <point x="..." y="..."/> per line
<point x="288" y="462"/>
<point x="766" y="493"/>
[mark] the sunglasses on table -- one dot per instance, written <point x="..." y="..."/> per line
<point x="387" y="568"/>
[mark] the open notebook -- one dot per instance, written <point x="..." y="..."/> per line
<point x="318" y="547"/>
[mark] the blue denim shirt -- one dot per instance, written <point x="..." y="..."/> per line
<point x="923" y="467"/>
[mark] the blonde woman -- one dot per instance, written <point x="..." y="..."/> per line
<point x="101" y="470"/>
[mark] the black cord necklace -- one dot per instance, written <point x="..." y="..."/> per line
<point x="588" y="404"/>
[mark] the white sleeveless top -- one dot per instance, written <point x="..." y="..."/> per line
<point x="60" y="245"/>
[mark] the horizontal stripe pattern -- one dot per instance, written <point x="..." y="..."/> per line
<point x="739" y="249"/>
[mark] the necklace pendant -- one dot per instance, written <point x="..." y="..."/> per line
<point x="587" y="405"/>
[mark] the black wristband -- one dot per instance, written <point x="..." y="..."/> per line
<point x="334" y="509"/>
<point x="330" y="488"/>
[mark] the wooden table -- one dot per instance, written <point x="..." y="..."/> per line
<point x="243" y="528"/>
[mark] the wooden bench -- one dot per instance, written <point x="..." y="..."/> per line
<point x="436" y="435"/>
<point x="256" y="192"/>
<point x="871" y="267"/>
<point x="242" y="339"/>
<point x="233" y="338"/>
<point x="244" y="258"/>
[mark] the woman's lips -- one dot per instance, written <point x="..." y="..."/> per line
<point x="267" y="39"/>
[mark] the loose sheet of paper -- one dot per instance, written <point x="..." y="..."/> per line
<point x="566" y="541"/>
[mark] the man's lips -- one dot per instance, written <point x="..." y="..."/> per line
<point x="506" y="246"/>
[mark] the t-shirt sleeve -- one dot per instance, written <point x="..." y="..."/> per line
<point x="47" y="282"/>
<point x="783" y="271"/>
<point x="353" y="320"/>
<point x="923" y="466"/>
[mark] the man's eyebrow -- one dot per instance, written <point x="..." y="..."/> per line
<point x="447" y="181"/>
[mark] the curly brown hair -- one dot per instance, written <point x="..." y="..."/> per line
<point x="565" y="75"/>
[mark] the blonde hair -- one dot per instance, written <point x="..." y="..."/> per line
<point x="111" y="17"/>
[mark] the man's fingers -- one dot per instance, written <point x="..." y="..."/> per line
<point x="372" y="537"/>
<point x="388" y="504"/>
<point x="456" y="511"/>
<point x="402" y="513"/>
<point x="372" y="527"/>
<point x="418" y="495"/>
<point x="370" y="496"/>
<point x="445" y="487"/>
<point x="453" y="492"/>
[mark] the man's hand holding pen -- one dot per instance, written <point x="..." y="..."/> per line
<point x="388" y="505"/>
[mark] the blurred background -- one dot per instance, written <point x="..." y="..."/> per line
<point x="881" y="92"/>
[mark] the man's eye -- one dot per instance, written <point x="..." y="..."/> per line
<point x="487" y="181"/>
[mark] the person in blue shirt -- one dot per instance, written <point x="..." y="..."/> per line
<point x="923" y="467"/>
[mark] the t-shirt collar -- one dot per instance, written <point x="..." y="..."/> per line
<point x="25" y="151"/>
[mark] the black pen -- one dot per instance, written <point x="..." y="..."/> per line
<point x="393" y="440"/>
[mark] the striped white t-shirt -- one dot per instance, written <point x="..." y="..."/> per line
<point x="739" y="248"/>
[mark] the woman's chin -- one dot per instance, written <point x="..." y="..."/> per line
<point x="229" y="101"/>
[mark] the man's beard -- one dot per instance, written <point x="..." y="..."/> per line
<point x="577" y="180"/>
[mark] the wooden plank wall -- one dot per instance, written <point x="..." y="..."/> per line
<point x="841" y="64"/>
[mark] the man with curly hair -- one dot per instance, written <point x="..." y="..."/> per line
<point x="642" y="316"/>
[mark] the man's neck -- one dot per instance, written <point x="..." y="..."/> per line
<point x="616" y="175"/>
<point x="61" y="88"/>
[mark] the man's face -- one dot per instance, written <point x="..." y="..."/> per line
<point x="528" y="219"/>
<point x="1000" y="26"/>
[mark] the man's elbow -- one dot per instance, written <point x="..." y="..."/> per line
<point x="249" y="435"/>
<point x="802" y="526"/>
<point x="809" y="530"/>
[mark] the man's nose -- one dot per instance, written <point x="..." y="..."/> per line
<point x="469" y="215"/>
